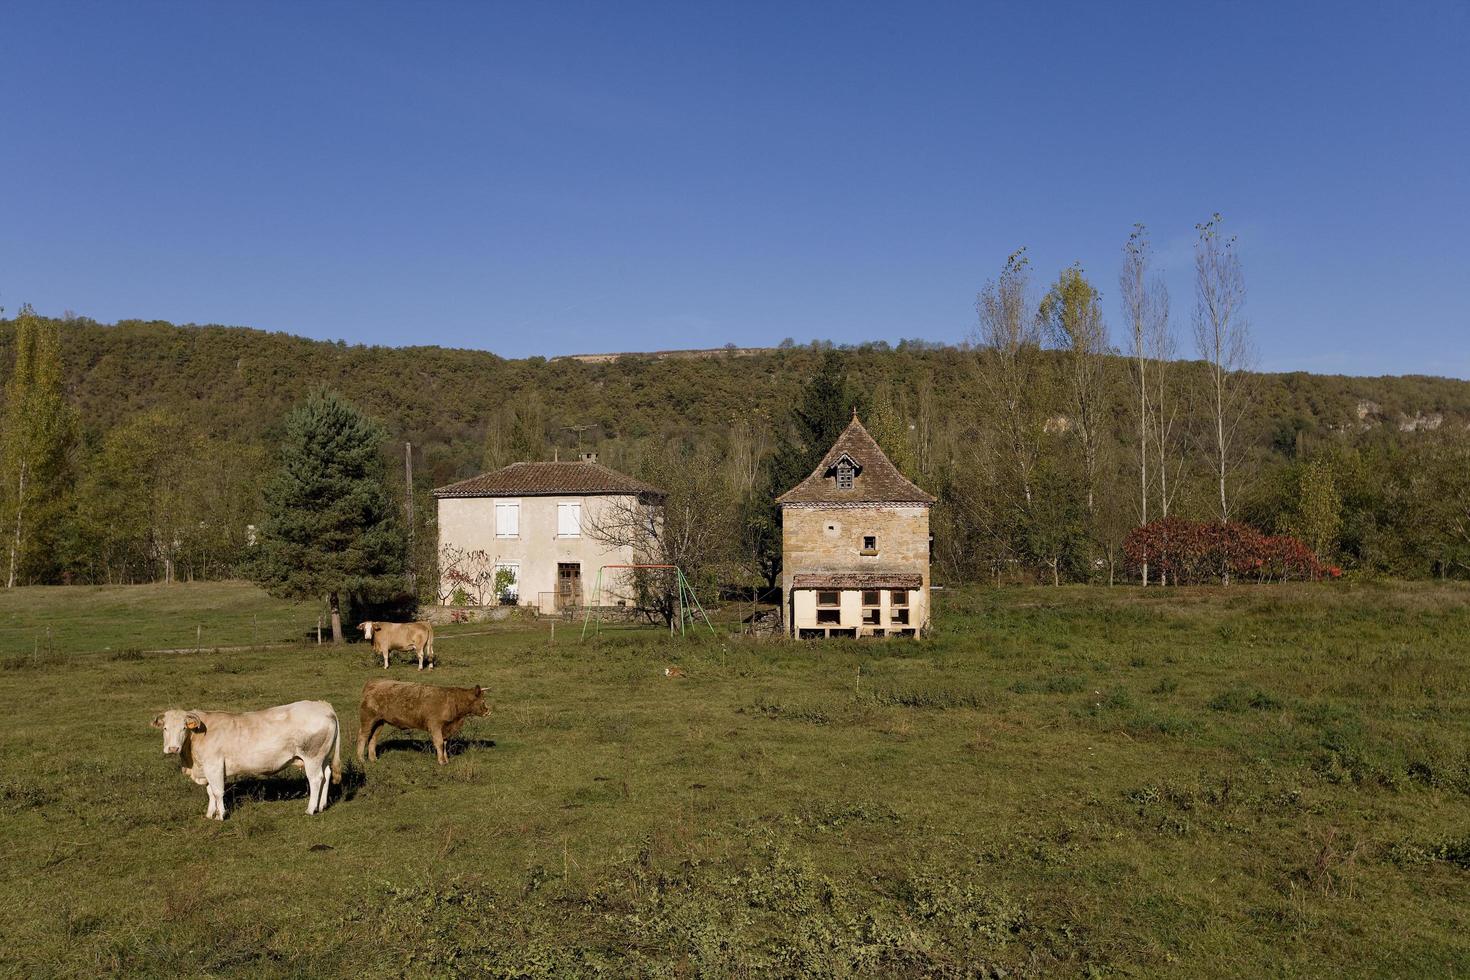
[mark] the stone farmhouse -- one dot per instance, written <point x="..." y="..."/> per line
<point x="855" y="546"/>
<point x="530" y="519"/>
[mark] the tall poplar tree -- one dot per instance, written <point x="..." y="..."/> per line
<point x="330" y="526"/>
<point x="36" y="436"/>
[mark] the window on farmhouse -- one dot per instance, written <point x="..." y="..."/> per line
<point x="507" y="583"/>
<point x="825" y="616"/>
<point x="844" y="476"/>
<point x="829" y="599"/>
<point x="898" y="597"/>
<point x="507" y="518"/>
<point x="870" y="597"/>
<point x="870" y="543"/>
<point x="569" y="520"/>
<point x="872" y="616"/>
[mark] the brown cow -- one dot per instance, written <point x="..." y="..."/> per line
<point x="387" y="637"/>
<point x="440" y="711"/>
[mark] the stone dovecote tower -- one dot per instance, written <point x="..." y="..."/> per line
<point x="855" y="546"/>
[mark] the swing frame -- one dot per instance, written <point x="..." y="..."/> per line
<point x="686" y="602"/>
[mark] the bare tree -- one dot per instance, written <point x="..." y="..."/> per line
<point x="747" y="445"/>
<point x="1133" y="287"/>
<point x="692" y="528"/>
<point x="1009" y="342"/>
<point x="1222" y="337"/>
<point x="1164" y="404"/>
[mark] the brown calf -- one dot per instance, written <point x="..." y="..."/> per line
<point x="440" y="711"/>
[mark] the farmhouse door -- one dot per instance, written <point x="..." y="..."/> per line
<point x="568" y="585"/>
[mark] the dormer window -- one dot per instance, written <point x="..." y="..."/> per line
<point x="845" y="474"/>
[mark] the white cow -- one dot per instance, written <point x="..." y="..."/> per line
<point x="215" y="746"/>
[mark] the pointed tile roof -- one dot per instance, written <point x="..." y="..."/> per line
<point x="877" y="480"/>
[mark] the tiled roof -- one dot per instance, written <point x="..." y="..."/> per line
<point x="877" y="481"/>
<point x="547" y="479"/>
<point x="857" y="580"/>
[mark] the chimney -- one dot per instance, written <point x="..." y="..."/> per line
<point x="587" y="457"/>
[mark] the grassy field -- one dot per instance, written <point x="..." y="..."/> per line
<point x="1075" y="781"/>
<point x="57" y="621"/>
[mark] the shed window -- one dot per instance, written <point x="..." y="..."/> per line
<point x="844" y="476"/>
<point x="870" y="597"/>
<point x="829" y="599"/>
<point x="898" y="597"/>
<point x="829" y="616"/>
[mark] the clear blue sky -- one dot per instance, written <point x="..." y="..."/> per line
<point x="543" y="178"/>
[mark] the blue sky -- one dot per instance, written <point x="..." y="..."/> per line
<point x="553" y="178"/>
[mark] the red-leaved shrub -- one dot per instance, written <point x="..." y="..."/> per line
<point x="1201" y="551"/>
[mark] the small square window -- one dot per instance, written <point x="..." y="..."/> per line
<point x="898" y="616"/>
<point x="898" y="597"/>
<point x="872" y="617"/>
<point x="829" y="616"/>
<point x="829" y="599"/>
<point x="870" y="597"/>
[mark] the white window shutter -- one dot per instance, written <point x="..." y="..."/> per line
<point x="507" y="519"/>
<point x="569" y="520"/>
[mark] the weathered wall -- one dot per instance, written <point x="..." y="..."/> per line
<point x="830" y="539"/>
<point x="469" y="523"/>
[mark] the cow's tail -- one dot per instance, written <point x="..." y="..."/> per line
<point x="336" y="749"/>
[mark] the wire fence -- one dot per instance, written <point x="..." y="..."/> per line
<point x="51" y="641"/>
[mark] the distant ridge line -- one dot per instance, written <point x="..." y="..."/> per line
<point x="669" y="355"/>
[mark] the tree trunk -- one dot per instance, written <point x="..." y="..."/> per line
<point x="336" y="617"/>
<point x="20" y="502"/>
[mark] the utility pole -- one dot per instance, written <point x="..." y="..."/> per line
<point x="408" y="506"/>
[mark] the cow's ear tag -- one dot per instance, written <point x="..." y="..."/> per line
<point x="193" y="723"/>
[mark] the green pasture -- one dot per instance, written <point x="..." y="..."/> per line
<point x="1076" y="781"/>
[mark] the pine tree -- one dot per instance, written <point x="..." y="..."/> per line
<point x="38" y="432"/>
<point x="330" y="526"/>
<point x="825" y="407"/>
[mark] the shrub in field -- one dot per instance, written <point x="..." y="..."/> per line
<point x="1203" y="551"/>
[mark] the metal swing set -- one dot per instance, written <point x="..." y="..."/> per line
<point x="686" y="604"/>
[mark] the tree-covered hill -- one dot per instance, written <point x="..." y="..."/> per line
<point x="239" y="382"/>
<point x="175" y="426"/>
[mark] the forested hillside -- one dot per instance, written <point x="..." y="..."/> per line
<point x="188" y="417"/>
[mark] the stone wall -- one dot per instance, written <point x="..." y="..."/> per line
<point x="824" y="538"/>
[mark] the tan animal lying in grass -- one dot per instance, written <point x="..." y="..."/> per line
<point x="674" y="672"/>
<point x="440" y="711"/>
<point x="387" y="637"/>
<point x="215" y="746"/>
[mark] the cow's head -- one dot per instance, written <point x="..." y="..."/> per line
<point x="177" y="724"/>
<point x="477" y="705"/>
<point x="367" y="630"/>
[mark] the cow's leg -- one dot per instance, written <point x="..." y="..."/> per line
<point x="215" y="775"/>
<point x="367" y="727"/>
<point x="373" y="742"/>
<point x="314" y="784"/>
<point x="437" y="734"/>
<point x="420" y="651"/>
<point x="385" y="657"/>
